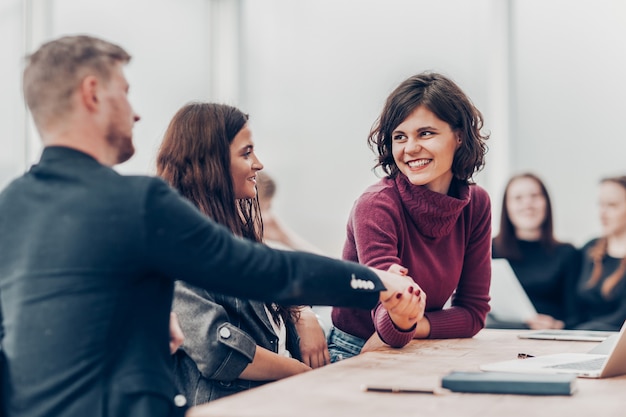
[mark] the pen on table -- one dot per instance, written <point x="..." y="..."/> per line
<point x="401" y="390"/>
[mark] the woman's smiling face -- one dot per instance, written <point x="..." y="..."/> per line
<point x="244" y="164"/>
<point x="423" y="148"/>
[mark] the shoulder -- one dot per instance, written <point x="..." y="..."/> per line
<point x="146" y="182"/>
<point x="479" y="207"/>
<point x="153" y="190"/>
<point x="107" y="180"/>
<point x="591" y="243"/>
<point x="495" y="250"/>
<point x="15" y="186"/>
<point x="382" y="192"/>
<point x="378" y="200"/>
<point x="479" y="197"/>
<point x="566" y="248"/>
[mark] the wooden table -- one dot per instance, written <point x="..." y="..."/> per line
<point x="336" y="390"/>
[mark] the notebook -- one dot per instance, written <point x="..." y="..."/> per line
<point x="509" y="301"/>
<point x="588" y="365"/>
<point x="509" y="383"/>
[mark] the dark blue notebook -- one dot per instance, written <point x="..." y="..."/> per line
<point x="510" y="383"/>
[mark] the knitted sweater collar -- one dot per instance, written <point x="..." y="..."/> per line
<point x="434" y="214"/>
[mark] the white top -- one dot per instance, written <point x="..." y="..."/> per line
<point x="281" y="332"/>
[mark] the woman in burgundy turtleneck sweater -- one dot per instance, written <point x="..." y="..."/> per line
<point x="425" y="218"/>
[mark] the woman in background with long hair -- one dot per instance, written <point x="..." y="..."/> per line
<point x="601" y="290"/>
<point x="546" y="268"/>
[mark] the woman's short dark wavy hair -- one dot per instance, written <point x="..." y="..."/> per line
<point x="449" y="103"/>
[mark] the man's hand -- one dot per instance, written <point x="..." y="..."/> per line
<point x="407" y="308"/>
<point x="394" y="281"/>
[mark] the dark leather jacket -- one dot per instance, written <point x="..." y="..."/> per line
<point x="221" y="335"/>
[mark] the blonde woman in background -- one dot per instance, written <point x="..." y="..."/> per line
<point x="275" y="232"/>
<point x="601" y="291"/>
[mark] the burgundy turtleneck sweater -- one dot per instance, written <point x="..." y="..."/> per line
<point x="443" y="240"/>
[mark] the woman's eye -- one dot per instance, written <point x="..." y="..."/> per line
<point x="426" y="133"/>
<point x="398" y="137"/>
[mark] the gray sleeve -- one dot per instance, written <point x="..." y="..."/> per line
<point x="220" y="349"/>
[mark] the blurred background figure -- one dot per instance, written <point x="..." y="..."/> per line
<point x="278" y="235"/>
<point x="601" y="290"/>
<point x="546" y="268"/>
<point x="275" y="232"/>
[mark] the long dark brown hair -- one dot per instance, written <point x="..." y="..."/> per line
<point x="506" y="243"/>
<point x="194" y="158"/>
<point x="598" y="251"/>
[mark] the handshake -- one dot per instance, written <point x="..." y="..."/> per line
<point x="403" y="299"/>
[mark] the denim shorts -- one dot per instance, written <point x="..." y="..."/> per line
<point x="342" y="345"/>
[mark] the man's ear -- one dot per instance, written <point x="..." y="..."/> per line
<point x="89" y="90"/>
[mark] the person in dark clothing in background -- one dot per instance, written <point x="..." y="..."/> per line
<point x="546" y="268"/>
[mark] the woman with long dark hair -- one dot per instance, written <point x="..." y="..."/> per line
<point x="230" y="344"/>
<point x="546" y="268"/>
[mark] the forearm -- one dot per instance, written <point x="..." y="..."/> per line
<point x="388" y="331"/>
<point x="397" y="337"/>
<point x="422" y="331"/>
<point x="270" y="366"/>
<point x="313" y="347"/>
<point x="454" y="322"/>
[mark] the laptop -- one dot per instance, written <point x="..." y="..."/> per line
<point x="509" y="302"/>
<point x="587" y="365"/>
<point x="571" y="335"/>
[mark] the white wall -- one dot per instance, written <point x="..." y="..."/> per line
<point x="314" y="74"/>
<point x="317" y="75"/>
<point x="11" y="103"/>
<point x="570" y="62"/>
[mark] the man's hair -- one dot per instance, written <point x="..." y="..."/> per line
<point x="56" y="69"/>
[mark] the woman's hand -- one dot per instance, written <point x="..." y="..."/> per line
<point x="373" y="343"/>
<point x="408" y="306"/>
<point x="544" y="321"/>
<point x="176" y="333"/>
<point x="313" y="346"/>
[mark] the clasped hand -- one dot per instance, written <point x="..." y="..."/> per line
<point x="404" y="300"/>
